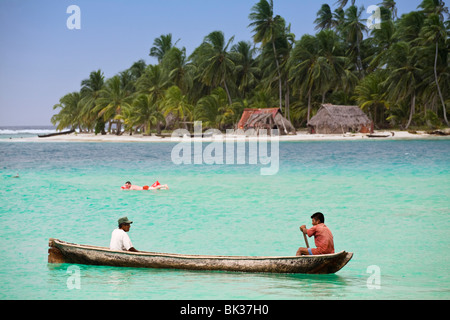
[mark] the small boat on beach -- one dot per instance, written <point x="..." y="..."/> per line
<point x="64" y="252"/>
<point x="378" y="136"/>
<point x="55" y="134"/>
<point x="381" y="135"/>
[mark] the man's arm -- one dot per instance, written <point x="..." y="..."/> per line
<point x="126" y="243"/>
<point x="303" y="229"/>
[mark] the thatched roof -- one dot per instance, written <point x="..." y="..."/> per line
<point x="339" y="119"/>
<point x="265" y="118"/>
<point x="248" y="112"/>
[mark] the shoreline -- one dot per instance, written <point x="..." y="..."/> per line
<point x="301" y="136"/>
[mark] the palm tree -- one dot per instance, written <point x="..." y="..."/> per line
<point x="404" y="79"/>
<point x="409" y="26"/>
<point x="127" y="82"/>
<point x="127" y="119"/>
<point x="339" y="18"/>
<point x="266" y="29"/>
<point x="273" y="69"/>
<point x="381" y="41"/>
<point x="113" y="97"/>
<point x="262" y="97"/>
<point x="69" y="115"/>
<point x="434" y="31"/>
<point x="177" y="104"/>
<point x="90" y="92"/>
<point x="213" y="110"/>
<point x="216" y="64"/>
<point x="354" y="29"/>
<point x="246" y="68"/>
<point x="371" y="96"/>
<point x="178" y="69"/>
<point x="153" y="81"/>
<point x="434" y="7"/>
<point x="391" y="5"/>
<point x="333" y="51"/>
<point x="325" y="18"/>
<point x="343" y="3"/>
<point x="286" y="43"/>
<point x="318" y="65"/>
<point x="161" y="46"/>
<point x="145" y="111"/>
<point x="137" y="69"/>
<point x="309" y="70"/>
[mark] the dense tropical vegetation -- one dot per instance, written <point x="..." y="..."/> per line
<point x="397" y="72"/>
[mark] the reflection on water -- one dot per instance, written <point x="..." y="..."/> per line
<point x="134" y="283"/>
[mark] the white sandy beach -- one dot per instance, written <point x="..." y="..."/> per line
<point x="300" y="136"/>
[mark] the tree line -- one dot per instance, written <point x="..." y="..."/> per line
<point x="397" y="72"/>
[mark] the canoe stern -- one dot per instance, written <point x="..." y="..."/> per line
<point x="329" y="266"/>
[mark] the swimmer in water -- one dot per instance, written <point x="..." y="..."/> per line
<point x="155" y="186"/>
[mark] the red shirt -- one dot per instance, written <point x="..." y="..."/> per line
<point x="323" y="239"/>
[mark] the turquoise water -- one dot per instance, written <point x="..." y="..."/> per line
<point x="386" y="201"/>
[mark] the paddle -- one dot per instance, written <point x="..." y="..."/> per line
<point x="306" y="239"/>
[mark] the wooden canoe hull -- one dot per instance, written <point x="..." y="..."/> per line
<point x="55" y="134"/>
<point x="379" y="135"/>
<point x="63" y="252"/>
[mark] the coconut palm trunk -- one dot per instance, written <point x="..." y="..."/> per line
<point x="309" y="103"/>
<point x="228" y="92"/>
<point x="413" y="108"/>
<point x="280" y="87"/>
<point x="266" y="29"/>
<point x="437" y="85"/>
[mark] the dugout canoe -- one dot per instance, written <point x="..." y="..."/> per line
<point x="55" y="134"/>
<point x="379" y="135"/>
<point x="64" y="252"/>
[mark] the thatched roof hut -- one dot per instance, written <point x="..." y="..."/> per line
<point x="332" y="119"/>
<point x="265" y="118"/>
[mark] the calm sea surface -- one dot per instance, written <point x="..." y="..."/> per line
<point x="386" y="201"/>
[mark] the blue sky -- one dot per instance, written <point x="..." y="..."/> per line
<point x="41" y="59"/>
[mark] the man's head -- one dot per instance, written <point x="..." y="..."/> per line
<point x="317" y="218"/>
<point x="128" y="184"/>
<point x="124" y="224"/>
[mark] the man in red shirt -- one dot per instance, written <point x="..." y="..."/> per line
<point x="323" y="237"/>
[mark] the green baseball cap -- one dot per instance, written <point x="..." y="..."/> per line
<point x="124" y="220"/>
